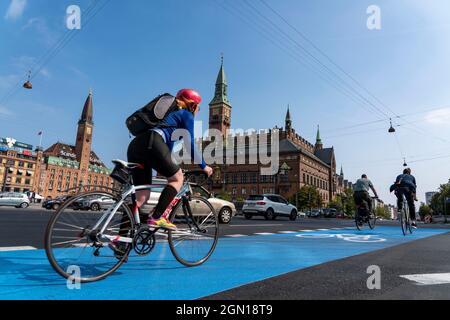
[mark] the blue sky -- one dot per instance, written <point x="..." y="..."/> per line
<point x="130" y="52"/>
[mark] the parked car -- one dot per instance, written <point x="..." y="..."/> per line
<point x="270" y="206"/>
<point x="54" y="204"/>
<point x="14" y="199"/>
<point x="226" y="210"/>
<point x="329" y="213"/>
<point x="301" y="214"/>
<point x="315" y="213"/>
<point x="94" y="203"/>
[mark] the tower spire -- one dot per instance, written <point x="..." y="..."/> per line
<point x="318" y="139"/>
<point x="221" y="93"/>
<point x="342" y="172"/>
<point x="288" y="121"/>
<point x="87" y="114"/>
<point x="319" y="144"/>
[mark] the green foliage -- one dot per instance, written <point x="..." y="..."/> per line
<point x="424" y="211"/>
<point x="224" y="196"/>
<point x="383" y="212"/>
<point x="346" y="202"/>
<point x="308" y="197"/>
<point x="437" y="202"/>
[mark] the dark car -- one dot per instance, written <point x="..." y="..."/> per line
<point x="329" y="213"/>
<point x="54" y="204"/>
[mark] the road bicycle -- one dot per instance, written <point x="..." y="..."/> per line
<point x="363" y="215"/>
<point x="405" y="219"/>
<point x="88" y="245"/>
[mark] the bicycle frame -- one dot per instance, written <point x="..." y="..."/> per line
<point x="131" y="190"/>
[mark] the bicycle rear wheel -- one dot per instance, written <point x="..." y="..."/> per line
<point x="404" y="216"/>
<point x="372" y="220"/>
<point x="76" y="250"/>
<point x="359" y="221"/>
<point x="190" y="245"/>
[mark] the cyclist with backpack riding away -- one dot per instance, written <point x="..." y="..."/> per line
<point x="153" y="146"/>
<point x="361" y="191"/>
<point x="405" y="185"/>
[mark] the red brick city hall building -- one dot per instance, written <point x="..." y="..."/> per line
<point x="301" y="163"/>
<point x="60" y="167"/>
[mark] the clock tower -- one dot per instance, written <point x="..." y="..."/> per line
<point x="220" y="107"/>
<point x="84" y="139"/>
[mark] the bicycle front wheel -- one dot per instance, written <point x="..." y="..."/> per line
<point x="197" y="232"/>
<point x="73" y="243"/>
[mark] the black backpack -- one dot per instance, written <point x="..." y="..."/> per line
<point x="152" y="115"/>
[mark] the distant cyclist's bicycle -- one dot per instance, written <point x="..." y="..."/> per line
<point x="405" y="219"/>
<point x="86" y="245"/>
<point x="363" y="216"/>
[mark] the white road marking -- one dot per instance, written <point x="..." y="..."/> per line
<point x="235" y="235"/>
<point x="264" y="234"/>
<point x="287" y="232"/>
<point x="24" y="248"/>
<point x="429" y="279"/>
<point x="306" y="230"/>
<point x="323" y="230"/>
<point x="256" y="225"/>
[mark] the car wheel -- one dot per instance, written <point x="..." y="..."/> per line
<point x="95" y="207"/>
<point x="225" y="215"/>
<point x="293" y="215"/>
<point x="56" y="206"/>
<point x="248" y="216"/>
<point x="269" y="214"/>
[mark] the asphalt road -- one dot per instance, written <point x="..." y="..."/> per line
<point x="255" y="259"/>
<point x="26" y="227"/>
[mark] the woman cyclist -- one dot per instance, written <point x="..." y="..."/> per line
<point x="153" y="149"/>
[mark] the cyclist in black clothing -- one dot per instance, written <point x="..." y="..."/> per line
<point x="405" y="184"/>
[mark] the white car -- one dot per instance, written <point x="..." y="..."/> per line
<point x="14" y="199"/>
<point x="269" y="206"/>
<point x="225" y="209"/>
<point x="302" y="214"/>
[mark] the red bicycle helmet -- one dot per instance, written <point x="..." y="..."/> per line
<point x="189" y="95"/>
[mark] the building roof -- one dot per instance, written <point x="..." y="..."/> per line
<point x="326" y="155"/>
<point x="287" y="145"/>
<point x="66" y="151"/>
<point x="221" y="94"/>
<point x="87" y="114"/>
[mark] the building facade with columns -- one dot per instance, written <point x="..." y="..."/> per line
<point x="302" y="163"/>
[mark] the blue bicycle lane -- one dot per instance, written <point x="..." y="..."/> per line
<point x="235" y="262"/>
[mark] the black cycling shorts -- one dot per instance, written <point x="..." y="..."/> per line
<point x="150" y="150"/>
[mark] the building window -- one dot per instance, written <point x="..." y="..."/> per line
<point x="21" y="164"/>
<point x="27" y="181"/>
<point x="18" y="180"/>
<point x="243" y="178"/>
<point x="244" y="191"/>
<point x="234" y="177"/>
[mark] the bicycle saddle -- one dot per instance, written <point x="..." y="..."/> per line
<point x="128" y="165"/>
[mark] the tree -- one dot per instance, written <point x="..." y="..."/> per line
<point x="425" y="211"/>
<point x="347" y="202"/>
<point x="438" y="200"/>
<point x="383" y="212"/>
<point x="308" y="198"/>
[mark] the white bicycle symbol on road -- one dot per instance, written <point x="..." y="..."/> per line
<point x="346" y="237"/>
